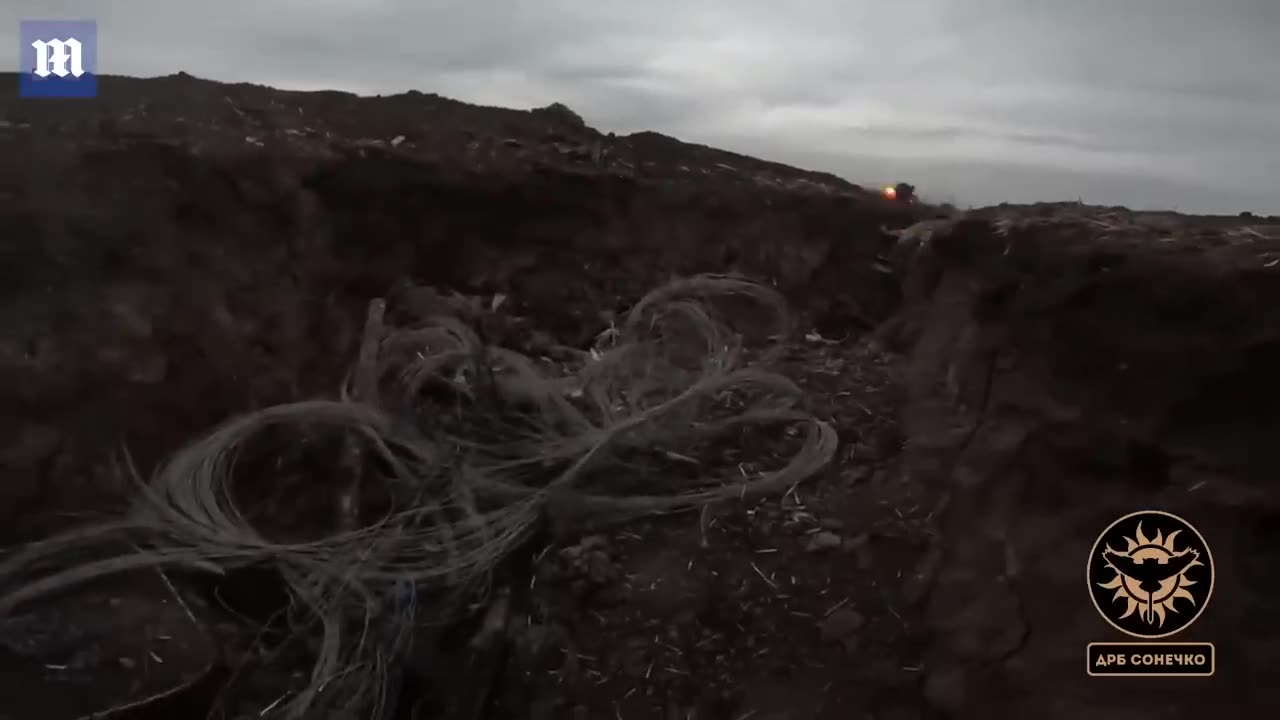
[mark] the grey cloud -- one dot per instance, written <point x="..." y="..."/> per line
<point x="1155" y="103"/>
<point x="961" y="134"/>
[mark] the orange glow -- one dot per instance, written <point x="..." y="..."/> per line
<point x="889" y="193"/>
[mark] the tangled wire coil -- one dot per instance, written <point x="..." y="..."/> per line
<point x="460" y="448"/>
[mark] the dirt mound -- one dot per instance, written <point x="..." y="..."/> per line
<point x="181" y="249"/>
<point x="184" y="251"/>
<point x="1069" y="366"/>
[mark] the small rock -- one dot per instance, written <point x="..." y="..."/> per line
<point x="599" y="568"/>
<point x="132" y="319"/>
<point x="861" y="548"/>
<point x="395" y="142"/>
<point x="540" y="342"/>
<point x="840" y="624"/>
<point x="33" y="445"/>
<point x="855" y="542"/>
<point x="149" y="369"/>
<point x="831" y="524"/>
<point x="824" y="541"/>
<point x="945" y="689"/>
<point x="885" y="443"/>
<point x="858" y="474"/>
<point x="546" y="707"/>
<point x="128" y="663"/>
<point x="635" y="662"/>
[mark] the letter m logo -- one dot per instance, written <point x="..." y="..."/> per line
<point x="57" y="54"/>
<point x="58" y="59"/>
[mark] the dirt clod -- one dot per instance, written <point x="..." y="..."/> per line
<point x="842" y="623"/>
<point x="823" y="541"/>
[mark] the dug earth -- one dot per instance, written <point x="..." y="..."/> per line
<point x="1004" y="384"/>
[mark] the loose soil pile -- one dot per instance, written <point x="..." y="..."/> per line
<point x="524" y="486"/>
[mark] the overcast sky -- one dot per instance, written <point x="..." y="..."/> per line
<point x="1170" y="104"/>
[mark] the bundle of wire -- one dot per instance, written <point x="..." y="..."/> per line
<point x="462" y="451"/>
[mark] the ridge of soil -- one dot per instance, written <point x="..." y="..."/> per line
<point x="1066" y="370"/>
<point x="182" y="250"/>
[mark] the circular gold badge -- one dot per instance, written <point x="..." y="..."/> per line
<point x="1150" y="574"/>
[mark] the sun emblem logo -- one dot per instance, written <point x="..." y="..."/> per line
<point x="1161" y="580"/>
<point x="1151" y="575"/>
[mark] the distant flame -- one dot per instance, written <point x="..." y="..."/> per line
<point x="889" y="193"/>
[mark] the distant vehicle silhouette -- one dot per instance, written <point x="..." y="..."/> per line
<point x="902" y="192"/>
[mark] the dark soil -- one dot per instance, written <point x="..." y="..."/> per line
<point x="179" y="251"/>
<point x="1063" y="374"/>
